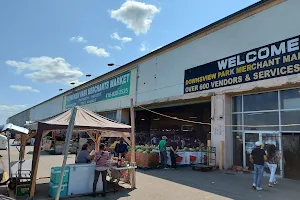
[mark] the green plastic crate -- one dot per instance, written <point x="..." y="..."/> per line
<point x="22" y="190"/>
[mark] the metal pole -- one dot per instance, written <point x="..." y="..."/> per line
<point x="8" y="151"/>
<point x="68" y="139"/>
<point x="132" y="138"/>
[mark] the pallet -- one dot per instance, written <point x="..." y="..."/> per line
<point x="203" y="168"/>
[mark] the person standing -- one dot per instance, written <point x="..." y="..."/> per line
<point x="272" y="163"/>
<point x="101" y="158"/>
<point x="84" y="155"/>
<point x="154" y="140"/>
<point x="182" y="143"/>
<point x="121" y="148"/>
<point x="173" y="153"/>
<point x="258" y="157"/>
<point x="163" y="152"/>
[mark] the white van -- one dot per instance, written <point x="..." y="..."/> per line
<point x="3" y="142"/>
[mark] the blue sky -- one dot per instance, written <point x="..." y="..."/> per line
<point x="45" y="45"/>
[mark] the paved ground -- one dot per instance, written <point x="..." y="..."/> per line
<point x="183" y="184"/>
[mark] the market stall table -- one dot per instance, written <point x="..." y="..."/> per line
<point x="115" y="174"/>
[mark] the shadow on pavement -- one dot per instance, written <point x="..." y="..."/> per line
<point x="42" y="192"/>
<point x="45" y="153"/>
<point x="227" y="184"/>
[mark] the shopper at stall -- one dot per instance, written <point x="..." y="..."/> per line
<point x="163" y="152"/>
<point x="101" y="159"/>
<point x="173" y="153"/>
<point x="84" y="155"/>
<point x="182" y="143"/>
<point x="258" y="157"/>
<point x="154" y="140"/>
<point x="272" y="163"/>
<point x="121" y="148"/>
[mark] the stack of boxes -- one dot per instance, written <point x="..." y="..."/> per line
<point x="54" y="181"/>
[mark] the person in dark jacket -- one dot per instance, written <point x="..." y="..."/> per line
<point x="173" y="153"/>
<point x="121" y="148"/>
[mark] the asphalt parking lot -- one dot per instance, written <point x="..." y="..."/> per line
<point x="183" y="183"/>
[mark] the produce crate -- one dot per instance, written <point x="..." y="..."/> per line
<point x="55" y="175"/>
<point x="145" y="160"/>
<point x="22" y="190"/>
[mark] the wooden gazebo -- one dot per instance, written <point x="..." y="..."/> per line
<point x="79" y="118"/>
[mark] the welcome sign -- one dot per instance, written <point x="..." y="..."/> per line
<point x="112" y="88"/>
<point x="270" y="61"/>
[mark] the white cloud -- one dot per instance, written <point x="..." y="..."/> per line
<point x="116" y="36"/>
<point x="12" y="107"/>
<point x="144" y="47"/>
<point x="23" y="88"/>
<point x="9" y="110"/>
<point x="97" y="51"/>
<point x="115" y="47"/>
<point x="47" y="69"/>
<point x="78" y="39"/>
<point x="157" y="48"/>
<point x="136" y="15"/>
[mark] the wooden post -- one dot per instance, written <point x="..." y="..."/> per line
<point x="23" y="145"/>
<point x="126" y="139"/>
<point x="132" y="171"/>
<point x="91" y="136"/>
<point x="221" y="155"/>
<point x="35" y="160"/>
<point x="98" y="140"/>
<point x="31" y="136"/>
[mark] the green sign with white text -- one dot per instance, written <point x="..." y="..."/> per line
<point x="117" y="86"/>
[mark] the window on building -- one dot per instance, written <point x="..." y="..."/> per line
<point x="290" y="99"/>
<point x="289" y="118"/>
<point x="237" y="120"/>
<point x="262" y="101"/>
<point x="237" y="104"/>
<point x="111" y="115"/>
<point x="261" y="118"/>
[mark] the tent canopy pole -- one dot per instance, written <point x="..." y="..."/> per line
<point x="69" y="136"/>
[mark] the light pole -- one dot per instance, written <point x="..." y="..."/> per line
<point x="63" y="89"/>
<point x="89" y="75"/>
<point x="112" y="64"/>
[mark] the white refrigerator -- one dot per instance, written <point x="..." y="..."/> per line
<point x="81" y="179"/>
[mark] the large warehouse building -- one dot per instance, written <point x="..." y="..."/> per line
<point x="239" y="75"/>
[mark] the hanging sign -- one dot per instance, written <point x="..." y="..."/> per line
<point x="270" y="61"/>
<point x="111" y="88"/>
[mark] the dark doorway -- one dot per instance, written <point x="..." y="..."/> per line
<point x="291" y="155"/>
<point x="148" y="123"/>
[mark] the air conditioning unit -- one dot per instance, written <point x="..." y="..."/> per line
<point x="187" y="128"/>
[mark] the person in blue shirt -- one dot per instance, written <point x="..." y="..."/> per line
<point x="84" y="155"/>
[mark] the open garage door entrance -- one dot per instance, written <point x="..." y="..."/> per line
<point x="149" y="124"/>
